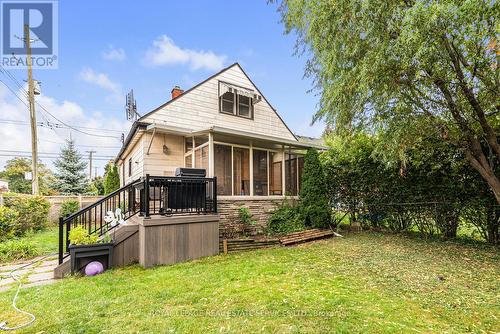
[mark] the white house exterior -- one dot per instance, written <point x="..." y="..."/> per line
<point x="226" y="126"/>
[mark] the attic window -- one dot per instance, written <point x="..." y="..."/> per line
<point x="227" y="103"/>
<point x="237" y="100"/>
<point x="244" y="106"/>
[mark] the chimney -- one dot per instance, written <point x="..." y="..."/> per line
<point x="176" y="92"/>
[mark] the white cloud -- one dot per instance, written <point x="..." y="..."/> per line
<point x="16" y="137"/>
<point x="165" y="52"/>
<point x="99" y="79"/>
<point x="114" y="54"/>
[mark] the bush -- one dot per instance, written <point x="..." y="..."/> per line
<point x="69" y="207"/>
<point x="285" y="219"/>
<point x="246" y="216"/>
<point x="7" y="221"/>
<point x="314" y="206"/>
<point x="33" y="212"/>
<point x="17" y="249"/>
<point x="80" y="236"/>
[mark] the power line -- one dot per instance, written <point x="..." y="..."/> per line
<point x="92" y="146"/>
<point x="52" y="115"/>
<point x="49" y="153"/>
<point x="58" y="125"/>
<point x="13" y="92"/>
<point x="43" y="156"/>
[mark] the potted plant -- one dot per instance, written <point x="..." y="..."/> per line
<point x="86" y="246"/>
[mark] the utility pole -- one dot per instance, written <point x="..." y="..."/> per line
<point x="31" y="98"/>
<point x="90" y="164"/>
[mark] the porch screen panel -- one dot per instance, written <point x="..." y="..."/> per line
<point x="300" y="161"/>
<point x="275" y="173"/>
<point x="188" y="161"/>
<point x="241" y="171"/>
<point x="222" y="169"/>
<point x="260" y="173"/>
<point x="291" y="174"/>
<point x="201" y="158"/>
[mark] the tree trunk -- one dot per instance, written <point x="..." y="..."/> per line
<point x="485" y="171"/>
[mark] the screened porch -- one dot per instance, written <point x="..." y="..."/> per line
<point x="245" y="164"/>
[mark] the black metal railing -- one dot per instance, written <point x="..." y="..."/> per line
<point x="150" y="195"/>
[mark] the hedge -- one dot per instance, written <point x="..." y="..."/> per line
<point x="33" y="212"/>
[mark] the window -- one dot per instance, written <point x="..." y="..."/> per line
<point x="227" y="103"/>
<point x="259" y="173"/>
<point x="222" y="169"/>
<point x="130" y="167"/>
<point x="236" y="101"/>
<point x="241" y="171"/>
<point x="244" y="106"/>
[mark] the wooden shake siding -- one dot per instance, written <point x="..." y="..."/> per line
<point x="199" y="109"/>
<point x="161" y="164"/>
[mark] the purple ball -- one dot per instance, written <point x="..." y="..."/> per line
<point x="94" y="268"/>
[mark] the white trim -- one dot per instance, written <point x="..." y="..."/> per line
<point x="232" y="171"/>
<point x="245" y="146"/>
<point x="211" y="165"/>
<point x="251" y="168"/>
<point x="283" y="155"/>
<point x="268" y="175"/>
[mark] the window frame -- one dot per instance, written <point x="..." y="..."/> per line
<point x="129" y="167"/>
<point x="221" y="100"/>
<point x="236" y="102"/>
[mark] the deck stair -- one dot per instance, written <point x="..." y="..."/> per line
<point x="305" y="236"/>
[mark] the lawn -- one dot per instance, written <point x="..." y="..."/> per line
<point x="363" y="283"/>
<point x="31" y="245"/>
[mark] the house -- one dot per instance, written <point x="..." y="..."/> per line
<point x="4" y="186"/>
<point x="226" y="126"/>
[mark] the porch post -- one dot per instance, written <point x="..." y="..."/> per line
<point x="251" y="168"/>
<point x="283" y="188"/>
<point x="211" y="152"/>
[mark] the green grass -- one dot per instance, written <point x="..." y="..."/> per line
<point x="31" y="245"/>
<point x="363" y="283"/>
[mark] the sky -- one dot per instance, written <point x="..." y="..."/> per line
<point x="107" y="48"/>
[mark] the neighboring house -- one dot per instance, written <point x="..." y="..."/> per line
<point x="226" y="126"/>
<point x="4" y="186"/>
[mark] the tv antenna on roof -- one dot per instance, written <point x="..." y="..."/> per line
<point x="131" y="107"/>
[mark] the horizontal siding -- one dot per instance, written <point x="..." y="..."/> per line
<point x="136" y="153"/>
<point x="161" y="164"/>
<point x="199" y="109"/>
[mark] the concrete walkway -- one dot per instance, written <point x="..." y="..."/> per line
<point x="39" y="273"/>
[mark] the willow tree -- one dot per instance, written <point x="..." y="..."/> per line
<point x="413" y="69"/>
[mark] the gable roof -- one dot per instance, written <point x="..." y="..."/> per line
<point x="142" y="118"/>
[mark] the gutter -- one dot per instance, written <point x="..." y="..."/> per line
<point x="136" y="126"/>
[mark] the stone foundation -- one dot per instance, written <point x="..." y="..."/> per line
<point x="230" y="225"/>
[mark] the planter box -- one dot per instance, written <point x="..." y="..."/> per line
<point x="83" y="252"/>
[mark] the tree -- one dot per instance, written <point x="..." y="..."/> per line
<point x="70" y="177"/>
<point x="14" y="173"/>
<point x="97" y="186"/>
<point x="314" y="205"/>
<point x="111" y="179"/>
<point x="405" y="66"/>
